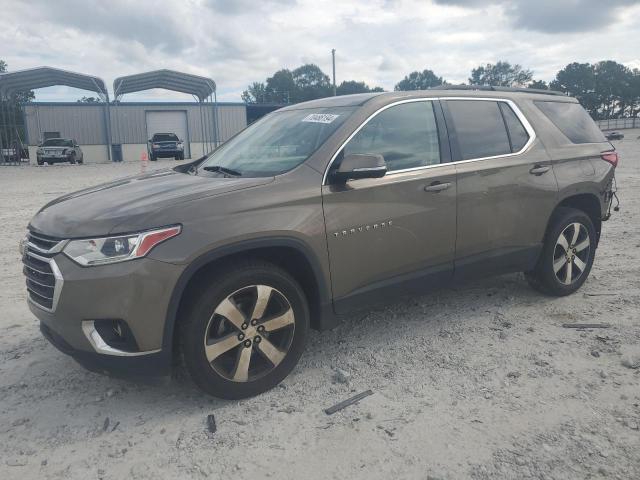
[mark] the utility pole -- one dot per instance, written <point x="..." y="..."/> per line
<point x="333" y="61"/>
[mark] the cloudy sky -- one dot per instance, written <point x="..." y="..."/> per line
<point x="238" y="42"/>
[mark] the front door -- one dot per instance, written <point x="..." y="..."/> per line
<point x="397" y="232"/>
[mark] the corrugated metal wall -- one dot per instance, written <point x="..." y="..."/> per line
<point x="86" y="123"/>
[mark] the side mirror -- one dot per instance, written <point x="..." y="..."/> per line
<point x="356" y="166"/>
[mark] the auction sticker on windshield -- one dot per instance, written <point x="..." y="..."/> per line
<point x="320" y="118"/>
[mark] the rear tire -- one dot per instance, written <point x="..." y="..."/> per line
<point x="567" y="254"/>
<point x="245" y="330"/>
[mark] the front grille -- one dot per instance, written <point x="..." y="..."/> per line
<point x="44" y="242"/>
<point x="42" y="276"/>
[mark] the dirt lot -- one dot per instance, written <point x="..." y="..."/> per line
<point x="479" y="382"/>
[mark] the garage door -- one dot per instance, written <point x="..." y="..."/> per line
<point x="169" y="122"/>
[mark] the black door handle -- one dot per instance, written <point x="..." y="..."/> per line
<point x="437" y="187"/>
<point x="539" y="169"/>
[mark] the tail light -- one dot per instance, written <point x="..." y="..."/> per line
<point x="611" y="157"/>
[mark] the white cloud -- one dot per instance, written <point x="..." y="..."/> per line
<point x="238" y="42"/>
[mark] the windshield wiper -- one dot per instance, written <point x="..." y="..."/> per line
<point x="225" y="170"/>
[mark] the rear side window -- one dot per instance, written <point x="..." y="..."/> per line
<point x="573" y="121"/>
<point x="480" y="128"/>
<point x="406" y="135"/>
<point x="518" y="136"/>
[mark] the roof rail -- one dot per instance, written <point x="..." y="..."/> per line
<point x="492" y="88"/>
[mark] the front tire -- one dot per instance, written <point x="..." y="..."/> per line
<point x="567" y="254"/>
<point x="245" y="330"/>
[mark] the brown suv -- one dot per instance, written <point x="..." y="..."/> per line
<point x="313" y="211"/>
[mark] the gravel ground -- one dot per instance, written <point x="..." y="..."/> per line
<point x="479" y="381"/>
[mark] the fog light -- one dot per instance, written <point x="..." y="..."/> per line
<point x="117" y="334"/>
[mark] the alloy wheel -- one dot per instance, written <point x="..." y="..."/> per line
<point x="249" y="333"/>
<point x="571" y="253"/>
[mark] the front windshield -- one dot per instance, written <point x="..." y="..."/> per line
<point x="57" y="142"/>
<point x="278" y="142"/>
<point x="165" y="137"/>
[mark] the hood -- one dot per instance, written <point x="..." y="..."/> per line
<point x="100" y="210"/>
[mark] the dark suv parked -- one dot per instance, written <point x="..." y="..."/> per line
<point x="165" y="145"/>
<point x="313" y="211"/>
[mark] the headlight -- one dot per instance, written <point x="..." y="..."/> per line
<point x="40" y="151"/>
<point x="99" y="251"/>
<point x="179" y="146"/>
<point x="155" y="145"/>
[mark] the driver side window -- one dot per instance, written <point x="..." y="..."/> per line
<point x="406" y="135"/>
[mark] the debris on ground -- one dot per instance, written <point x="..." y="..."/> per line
<point x="211" y="423"/>
<point x="341" y="376"/>
<point x="586" y="325"/>
<point x="350" y="401"/>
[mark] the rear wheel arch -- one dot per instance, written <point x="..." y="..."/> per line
<point x="292" y="255"/>
<point x="587" y="203"/>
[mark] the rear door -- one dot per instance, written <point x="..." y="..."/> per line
<point x="393" y="233"/>
<point x="506" y="186"/>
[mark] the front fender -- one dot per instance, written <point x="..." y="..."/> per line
<point x="326" y="314"/>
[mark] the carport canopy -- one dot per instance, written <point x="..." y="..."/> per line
<point x="201" y="87"/>
<point x="40" y="77"/>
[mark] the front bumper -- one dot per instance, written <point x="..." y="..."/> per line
<point x="151" y="365"/>
<point x="43" y="158"/>
<point x="167" y="153"/>
<point x="135" y="292"/>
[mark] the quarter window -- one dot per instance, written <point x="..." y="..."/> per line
<point x="480" y="128"/>
<point x="406" y="135"/>
<point x="573" y="121"/>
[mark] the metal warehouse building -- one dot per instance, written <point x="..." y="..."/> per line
<point x="132" y="125"/>
<point x="115" y="130"/>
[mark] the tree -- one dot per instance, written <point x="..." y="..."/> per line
<point x="349" y="87"/>
<point x="502" y="74"/>
<point x="612" y="92"/>
<point x="281" y="87"/>
<point x="306" y="82"/>
<point x="539" y="84"/>
<point x="12" y="112"/>
<point x="634" y="93"/>
<point x="579" y="81"/>
<point x="311" y="83"/>
<point x="419" y="81"/>
<point x="255" y="93"/>
<point x="89" y="100"/>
